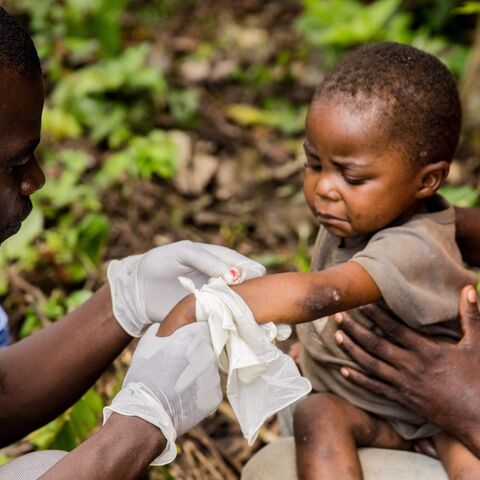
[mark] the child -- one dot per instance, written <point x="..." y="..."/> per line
<point x="380" y="133"/>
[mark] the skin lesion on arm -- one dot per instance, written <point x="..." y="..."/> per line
<point x="293" y="297"/>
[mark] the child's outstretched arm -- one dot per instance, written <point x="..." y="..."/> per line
<point x="293" y="297"/>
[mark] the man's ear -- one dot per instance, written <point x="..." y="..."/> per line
<point x="431" y="178"/>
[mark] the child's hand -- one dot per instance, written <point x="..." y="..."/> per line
<point x="181" y="314"/>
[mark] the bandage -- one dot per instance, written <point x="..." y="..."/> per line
<point x="261" y="380"/>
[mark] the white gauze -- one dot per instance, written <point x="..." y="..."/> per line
<point x="261" y="380"/>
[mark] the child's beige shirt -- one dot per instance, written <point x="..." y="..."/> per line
<point x="419" y="271"/>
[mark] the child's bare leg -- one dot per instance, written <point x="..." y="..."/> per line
<point x="328" y="431"/>
<point x="459" y="462"/>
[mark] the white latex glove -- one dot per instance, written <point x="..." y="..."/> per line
<point x="145" y="287"/>
<point x="173" y="383"/>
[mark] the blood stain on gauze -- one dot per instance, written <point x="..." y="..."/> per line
<point x="232" y="276"/>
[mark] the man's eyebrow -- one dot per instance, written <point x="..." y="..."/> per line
<point x="27" y="149"/>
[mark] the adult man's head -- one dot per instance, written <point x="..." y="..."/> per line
<point x="21" y="104"/>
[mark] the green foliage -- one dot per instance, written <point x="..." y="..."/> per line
<point x="343" y="23"/>
<point x="302" y="258"/>
<point x="463" y="196"/>
<point x="64" y="186"/>
<point x="338" y="25"/>
<point x="469" y="8"/>
<point x="154" y="154"/>
<point x="55" y="307"/>
<point x="72" y="427"/>
<point x="277" y="114"/>
<point x="76" y="247"/>
<point x="114" y="97"/>
<point x="84" y="27"/>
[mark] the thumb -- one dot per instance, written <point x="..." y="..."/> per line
<point x="469" y="314"/>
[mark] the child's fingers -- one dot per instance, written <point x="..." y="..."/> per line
<point x="426" y="447"/>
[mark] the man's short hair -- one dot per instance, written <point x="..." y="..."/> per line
<point x="17" y="51"/>
<point x="416" y="93"/>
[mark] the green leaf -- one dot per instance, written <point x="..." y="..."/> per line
<point x="468" y="8"/>
<point x="464" y="196"/>
<point x="72" y="427"/>
<point x="92" y="236"/>
<point x="30" y="325"/>
<point x="19" y="246"/>
<point x="60" y="124"/>
<point x="155" y="154"/>
<point x="278" y="115"/>
<point x="75" y="299"/>
<point x="271" y="260"/>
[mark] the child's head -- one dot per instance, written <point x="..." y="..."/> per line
<point x="380" y="134"/>
<point x="21" y="96"/>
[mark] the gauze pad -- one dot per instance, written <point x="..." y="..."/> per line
<point x="261" y="380"/>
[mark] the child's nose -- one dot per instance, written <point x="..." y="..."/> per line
<point x="326" y="188"/>
<point x="31" y="177"/>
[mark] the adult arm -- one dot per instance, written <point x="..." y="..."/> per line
<point x="172" y="384"/>
<point x="45" y="373"/>
<point x="292" y="298"/>
<point x="123" y="448"/>
<point x="436" y="379"/>
<point x="468" y="234"/>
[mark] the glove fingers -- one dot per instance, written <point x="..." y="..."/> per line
<point x="231" y="258"/>
<point x="204" y="260"/>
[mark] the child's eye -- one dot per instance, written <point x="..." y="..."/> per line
<point x="315" y="167"/>
<point x="353" y="181"/>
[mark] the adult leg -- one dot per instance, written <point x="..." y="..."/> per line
<point x="328" y="430"/>
<point x="459" y="462"/>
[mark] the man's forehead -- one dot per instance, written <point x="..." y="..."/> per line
<point x="21" y="104"/>
<point x="20" y="93"/>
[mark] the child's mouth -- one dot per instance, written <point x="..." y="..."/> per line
<point x="329" y="219"/>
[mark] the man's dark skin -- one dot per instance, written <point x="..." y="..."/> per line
<point x="44" y="374"/>
<point x="435" y="379"/>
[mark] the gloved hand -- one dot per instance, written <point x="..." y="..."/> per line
<point x="145" y="287"/>
<point x="173" y="383"/>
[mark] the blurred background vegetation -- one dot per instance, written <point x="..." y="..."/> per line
<point x="173" y="119"/>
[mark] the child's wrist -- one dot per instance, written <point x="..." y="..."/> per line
<point x="182" y="314"/>
<point x="187" y="306"/>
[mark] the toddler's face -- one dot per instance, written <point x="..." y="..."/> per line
<point x="355" y="182"/>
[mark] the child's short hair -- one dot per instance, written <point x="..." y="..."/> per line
<point x="418" y="97"/>
<point x="17" y="51"/>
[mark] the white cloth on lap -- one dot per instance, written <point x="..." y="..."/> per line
<point x="261" y="380"/>
<point x="31" y="466"/>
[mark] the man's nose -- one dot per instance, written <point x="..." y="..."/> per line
<point x="31" y="177"/>
<point x="326" y="188"/>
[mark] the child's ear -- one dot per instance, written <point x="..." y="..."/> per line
<point x="431" y="178"/>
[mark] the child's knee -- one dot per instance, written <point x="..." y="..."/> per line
<point x="321" y="410"/>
